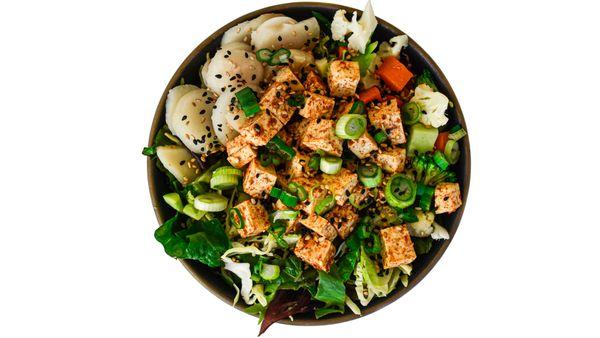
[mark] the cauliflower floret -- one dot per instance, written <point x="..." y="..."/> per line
<point x="361" y="29"/>
<point x="434" y="105"/>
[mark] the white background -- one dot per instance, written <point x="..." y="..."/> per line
<point x="80" y="83"/>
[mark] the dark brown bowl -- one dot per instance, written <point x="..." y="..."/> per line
<point x="188" y="70"/>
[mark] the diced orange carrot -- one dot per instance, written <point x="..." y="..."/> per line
<point x="370" y="94"/>
<point x="442" y="139"/>
<point x="394" y="73"/>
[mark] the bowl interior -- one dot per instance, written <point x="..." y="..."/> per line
<point x="419" y="60"/>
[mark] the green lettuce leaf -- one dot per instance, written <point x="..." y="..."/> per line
<point x="331" y="289"/>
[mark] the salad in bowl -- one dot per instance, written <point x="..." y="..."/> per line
<point x="310" y="167"/>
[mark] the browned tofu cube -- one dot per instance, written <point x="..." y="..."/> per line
<point x="259" y="180"/>
<point x="315" y="250"/>
<point x="391" y="160"/>
<point x="387" y="116"/>
<point x="341" y="184"/>
<point x="317" y="106"/>
<point x="239" y="152"/>
<point x="314" y="84"/>
<point x="363" y="146"/>
<point x="297" y="128"/>
<point x="287" y="77"/>
<point x="344" y="218"/>
<point x="261" y="128"/>
<point x="255" y="218"/>
<point x="447" y="198"/>
<point x="320" y="134"/>
<point x="319" y="225"/>
<point x="397" y="247"/>
<point x="343" y="78"/>
<point x="298" y="166"/>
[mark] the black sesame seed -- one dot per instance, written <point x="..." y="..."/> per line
<point x="223" y="89"/>
<point x="228" y="52"/>
<point x="202" y="111"/>
<point x="305" y="27"/>
<point x="182" y="163"/>
<point x="232" y="78"/>
<point x="253" y="77"/>
<point x="184" y="118"/>
<point x="226" y="56"/>
<point x="207" y="128"/>
<point x="218" y="76"/>
<point x="235" y="118"/>
<point x="279" y="38"/>
<point x="246" y="55"/>
<point x="206" y="93"/>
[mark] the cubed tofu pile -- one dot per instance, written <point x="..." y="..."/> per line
<point x="309" y="129"/>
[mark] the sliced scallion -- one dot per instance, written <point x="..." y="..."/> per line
<point x="286" y="215"/>
<point x="224" y="182"/>
<point x="211" y="202"/>
<point x="370" y="175"/>
<point x="313" y="163"/>
<point x="358" y="107"/>
<point x="380" y="136"/>
<point x="426" y="198"/>
<point x="452" y="151"/>
<point x="227" y="170"/>
<point x="193" y="213"/>
<point x="411" y="113"/>
<point x="298" y="190"/>
<point x="248" y="101"/>
<point x="457" y="133"/>
<point x="281" y="56"/>
<point x="325" y="204"/>
<point x="264" y="55"/>
<point x="269" y="271"/>
<point x="236" y="218"/>
<point x="350" y="126"/>
<point x="440" y="160"/>
<point x="400" y="191"/>
<point x="275" y="192"/>
<point x="330" y="165"/>
<point x="288" y="199"/>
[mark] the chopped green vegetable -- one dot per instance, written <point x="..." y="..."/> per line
<point x="400" y="191"/>
<point x="264" y="55"/>
<point x="358" y="107"/>
<point x="364" y="60"/>
<point x="380" y="136"/>
<point x="277" y="145"/>
<point x="330" y="290"/>
<point x="211" y="202"/>
<point x="236" y="218"/>
<point x="452" y="152"/>
<point x="228" y="170"/>
<point x="288" y="200"/>
<point x="440" y="160"/>
<point x="429" y="173"/>
<point x="422" y="245"/>
<point x="280" y="57"/>
<point x="296" y="100"/>
<point x="174" y="200"/>
<point x="269" y="271"/>
<point x="330" y="165"/>
<point x="314" y="162"/>
<point x="421" y="139"/>
<point x="325" y="205"/>
<point x="426" y="198"/>
<point x="351" y="126"/>
<point x="248" y="101"/>
<point x="370" y="175"/>
<point x="426" y="78"/>
<point x="411" y="113"/>
<point x="224" y="182"/>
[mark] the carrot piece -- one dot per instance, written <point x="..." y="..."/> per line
<point x="442" y="139"/>
<point x="394" y="73"/>
<point x="370" y="94"/>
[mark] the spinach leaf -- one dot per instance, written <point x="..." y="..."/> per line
<point x="345" y="265"/>
<point x="329" y="310"/>
<point x="422" y="245"/>
<point x="331" y="289"/>
<point x="204" y="241"/>
<point x="292" y="268"/>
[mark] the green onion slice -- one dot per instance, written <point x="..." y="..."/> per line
<point x="269" y="271"/>
<point x="325" y="204"/>
<point x="236" y="218"/>
<point x="248" y="101"/>
<point x="224" y="182"/>
<point x="211" y="202"/>
<point x="228" y="170"/>
<point x="265" y="159"/>
<point x="276" y="144"/>
<point x="298" y="190"/>
<point x="281" y="56"/>
<point x="380" y="136"/>
<point x="313" y="163"/>
<point x="286" y="215"/>
<point x="264" y="55"/>
<point x="350" y="126"/>
<point x="275" y="192"/>
<point x="288" y="199"/>
<point x="400" y="191"/>
<point x="411" y="113"/>
<point x="452" y="151"/>
<point x="330" y="165"/>
<point x="358" y="107"/>
<point x="457" y="134"/>
<point x="370" y="175"/>
<point x="296" y="100"/>
<point x="440" y="160"/>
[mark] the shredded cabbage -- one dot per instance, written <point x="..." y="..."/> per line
<point x="361" y="29"/>
<point x="240" y="249"/>
<point x="369" y="282"/>
<point x="352" y="306"/>
<point x="249" y="293"/>
<point x="433" y="103"/>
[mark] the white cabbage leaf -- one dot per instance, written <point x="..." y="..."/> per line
<point x="368" y="280"/>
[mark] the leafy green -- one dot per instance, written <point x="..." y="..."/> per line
<point x="422" y="244"/>
<point x="323" y="21"/>
<point x="292" y="268"/>
<point x="149" y="151"/>
<point x="347" y="263"/>
<point x="426" y="78"/>
<point x="324" y="311"/>
<point x="331" y="289"/>
<point x="204" y="241"/>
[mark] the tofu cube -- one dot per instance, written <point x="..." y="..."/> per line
<point x="261" y="128"/>
<point x="287" y="77"/>
<point x="320" y="134"/>
<point x="297" y="128"/>
<point x="391" y="160"/>
<point x="447" y="198"/>
<point x="397" y="247"/>
<point x="317" y="106"/>
<point x="259" y="180"/>
<point x="255" y="217"/>
<point x="387" y="116"/>
<point x="341" y="184"/>
<point x="363" y="146"/>
<point x="315" y="250"/>
<point x="314" y="84"/>
<point x="239" y="152"/>
<point x="274" y="100"/>
<point x="343" y="78"/>
<point x="344" y="218"/>
<point x="298" y="166"/>
<point x="319" y="225"/>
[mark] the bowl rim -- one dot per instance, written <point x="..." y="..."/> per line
<point x="457" y="112"/>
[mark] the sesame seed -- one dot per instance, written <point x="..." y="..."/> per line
<point x="184" y="118"/>
<point x="218" y="76"/>
<point x="182" y="163"/>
